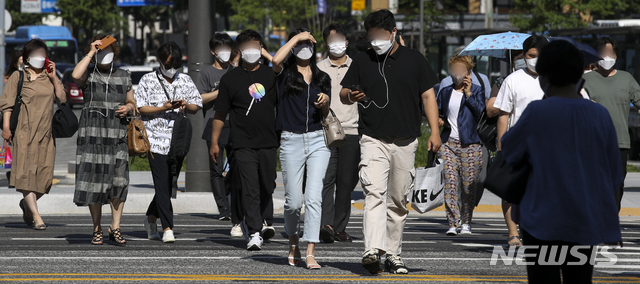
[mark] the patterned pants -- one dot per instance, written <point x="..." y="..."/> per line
<point x="460" y="163"/>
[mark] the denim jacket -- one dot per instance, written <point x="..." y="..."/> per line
<point x="470" y="110"/>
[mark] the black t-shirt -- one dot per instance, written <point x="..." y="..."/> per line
<point x="408" y="75"/>
<point x="250" y="99"/>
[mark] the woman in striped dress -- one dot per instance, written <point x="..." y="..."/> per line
<point x="102" y="159"/>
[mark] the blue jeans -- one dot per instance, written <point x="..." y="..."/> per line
<point x="297" y="152"/>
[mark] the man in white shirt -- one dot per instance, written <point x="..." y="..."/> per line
<point x="518" y="90"/>
<point x="342" y="173"/>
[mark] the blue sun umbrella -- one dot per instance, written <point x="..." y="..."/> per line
<point x="496" y="45"/>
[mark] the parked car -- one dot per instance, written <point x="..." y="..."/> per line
<point x="137" y="72"/>
<point x="74" y="93"/>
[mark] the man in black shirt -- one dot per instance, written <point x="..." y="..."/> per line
<point x="248" y="94"/>
<point x="388" y="82"/>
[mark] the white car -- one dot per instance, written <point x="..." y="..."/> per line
<point x="136" y="73"/>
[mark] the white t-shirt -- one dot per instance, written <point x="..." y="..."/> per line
<point x="518" y="90"/>
<point x="150" y="93"/>
<point x="452" y="113"/>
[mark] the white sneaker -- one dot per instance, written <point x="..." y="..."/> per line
<point x="236" y="231"/>
<point x="453" y="231"/>
<point x="465" y="230"/>
<point x="267" y="231"/>
<point x="255" y="243"/>
<point x="152" y="229"/>
<point x="167" y="236"/>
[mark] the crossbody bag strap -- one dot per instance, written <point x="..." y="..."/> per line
<point x="20" y="82"/>
<point x="162" y="85"/>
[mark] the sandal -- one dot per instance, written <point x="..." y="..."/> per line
<point x="312" y="266"/>
<point x="295" y="259"/>
<point x="516" y="243"/>
<point x="27" y="219"/>
<point x="116" y="236"/>
<point x="97" y="238"/>
<point x="40" y="227"/>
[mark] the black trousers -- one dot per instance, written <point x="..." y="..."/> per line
<point x="232" y="183"/>
<point x="341" y="178"/>
<point x="624" y="156"/>
<point x="255" y="170"/>
<point x="163" y="182"/>
<point x="220" y="189"/>
<point x="550" y="274"/>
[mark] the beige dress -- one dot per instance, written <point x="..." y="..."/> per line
<point x="34" y="148"/>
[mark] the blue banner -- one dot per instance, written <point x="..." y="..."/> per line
<point x="49" y="6"/>
<point x="322" y="6"/>
<point x="139" y="3"/>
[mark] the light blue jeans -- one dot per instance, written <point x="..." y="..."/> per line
<point x="298" y="151"/>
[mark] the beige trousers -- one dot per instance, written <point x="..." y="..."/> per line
<point x="387" y="174"/>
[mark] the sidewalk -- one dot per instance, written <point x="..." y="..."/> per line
<point x="60" y="199"/>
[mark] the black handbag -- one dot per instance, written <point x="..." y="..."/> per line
<point x="65" y="122"/>
<point x="506" y="181"/>
<point x="15" y="113"/>
<point x="488" y="131"/>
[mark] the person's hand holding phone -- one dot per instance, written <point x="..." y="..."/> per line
<point x="356" y="94"/>
<point x="466" y="82"/>
<point x="323" y="99"/>
<point x="51" y="69"/>
<point x="94" y="48"/>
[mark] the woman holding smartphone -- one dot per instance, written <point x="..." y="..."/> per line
<point x="102" y="156"/>
<point x="461" y="105"/>
<point x="303" y="105"/>
<point x="159" y="114"/>
<point x="34" y="149"/>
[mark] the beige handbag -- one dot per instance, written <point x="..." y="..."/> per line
<point x="333" y="133"/>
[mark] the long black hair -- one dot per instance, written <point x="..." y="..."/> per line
<point x="13" y="64"/>
<point x="296" y="84"/>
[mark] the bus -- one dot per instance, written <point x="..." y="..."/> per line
<point x="63" y="48"/>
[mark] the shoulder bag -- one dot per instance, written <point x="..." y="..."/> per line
<point x="334" y="135"/>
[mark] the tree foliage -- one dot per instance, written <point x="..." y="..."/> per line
<point x="542" y="15"/>
<point x="89" y="17"/>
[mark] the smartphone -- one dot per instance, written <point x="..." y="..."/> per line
<point x="359" y="89"/>
<point x="106" y="41"/>
<point x="46" y="64"/>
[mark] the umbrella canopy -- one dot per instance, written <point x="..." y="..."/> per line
<point x="495" y="45"/>
<point x="590" y="54"/>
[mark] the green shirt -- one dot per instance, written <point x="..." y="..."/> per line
<point x="615" y="93"/>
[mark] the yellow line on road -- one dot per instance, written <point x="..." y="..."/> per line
<point x="41" y="277"/>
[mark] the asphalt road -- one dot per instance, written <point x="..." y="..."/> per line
<point x="205" y="253"/>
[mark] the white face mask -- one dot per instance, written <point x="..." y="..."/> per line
<point x="338" y="48"/>
<point x="520" y="64"/>
<point x="303" y="51"/>
<point x="382" y="46"/>
<point x="36" y="61"/>
<point x="251" y="55"/>
<point x="531" y="63"/>
<point x="169" y="73"/>
<point x="607" y="63"/>
<point x="223" y="56"/>
<point x="105" y="58"/>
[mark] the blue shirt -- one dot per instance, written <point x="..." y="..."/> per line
<point x="474" y="80"/>
<point x="573" y="151"/>
<point x="470" y="110"/>
<point x="298" y="113"/>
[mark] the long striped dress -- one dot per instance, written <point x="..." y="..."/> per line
<point x="102" y="157"/>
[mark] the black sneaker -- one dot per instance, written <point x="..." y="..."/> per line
<point x="224" y="218"/>
<point x="267" y="231"/>
<point x="371" y="261"/>
<point x="326" y="234"/>
<point x="395" y="265"/>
